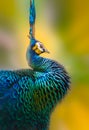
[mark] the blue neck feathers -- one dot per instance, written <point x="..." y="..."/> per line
<point x="37" y="62"/>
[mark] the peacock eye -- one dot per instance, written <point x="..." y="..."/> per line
<point x="41" y="46"/>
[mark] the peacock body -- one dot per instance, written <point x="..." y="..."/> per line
<point x="28" y="96"/>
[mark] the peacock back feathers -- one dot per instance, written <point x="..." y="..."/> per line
<point x="27" y="97"/>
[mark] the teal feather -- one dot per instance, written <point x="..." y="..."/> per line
<point x="32" y="17"/>
<point x="28" y="96"/>
<point x="32" y="11"/>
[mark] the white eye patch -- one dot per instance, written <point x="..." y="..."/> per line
<point x="40" y="46"/>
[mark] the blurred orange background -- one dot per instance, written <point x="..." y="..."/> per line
<point x="63" y="26"/>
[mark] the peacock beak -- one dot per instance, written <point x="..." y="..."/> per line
<point x="45" y="50"/>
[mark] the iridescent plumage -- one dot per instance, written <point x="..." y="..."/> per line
<point x="28" y="96"/>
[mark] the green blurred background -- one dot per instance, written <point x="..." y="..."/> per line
<point x="63" y="26"/>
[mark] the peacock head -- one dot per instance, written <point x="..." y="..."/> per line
<point x="37" y="47"/>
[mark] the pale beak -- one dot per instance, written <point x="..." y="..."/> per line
<point x="45" y="50"/>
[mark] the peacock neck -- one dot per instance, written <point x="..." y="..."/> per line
<point x="37" y="62"/>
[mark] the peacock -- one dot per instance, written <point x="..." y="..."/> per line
<point x="29" y="96"/>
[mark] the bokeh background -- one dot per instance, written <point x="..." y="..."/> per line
<point x="63" y="26"/>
